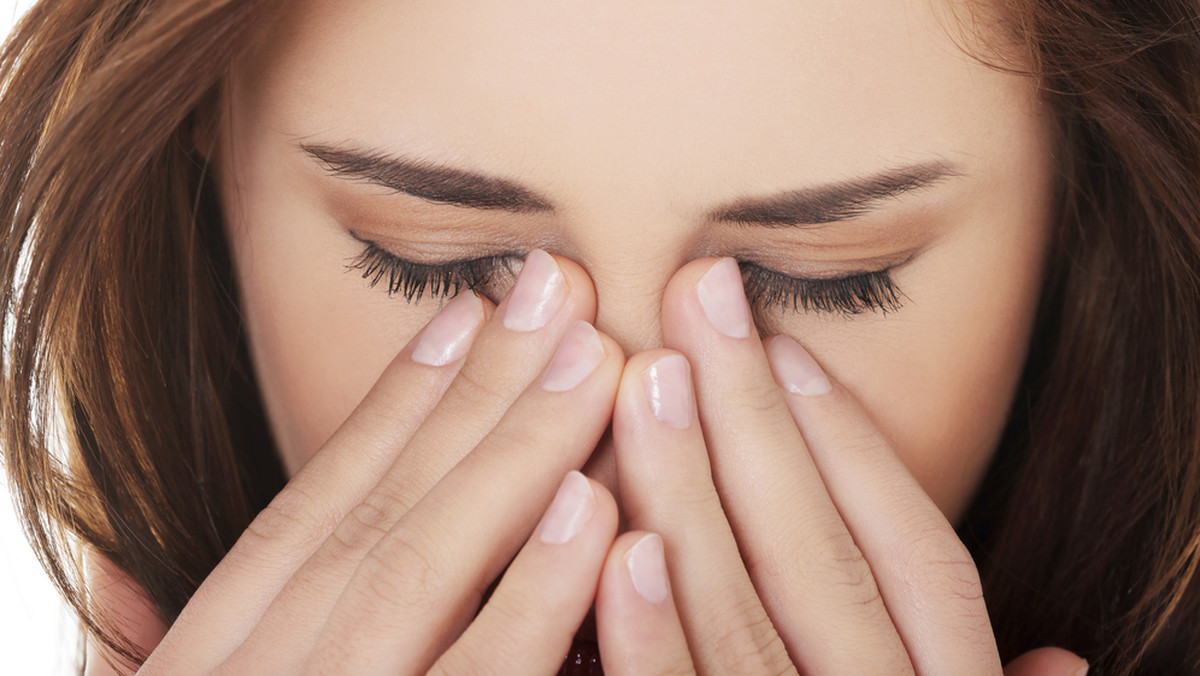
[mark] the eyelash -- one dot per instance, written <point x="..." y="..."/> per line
<point x="846" y="295"/>
<point x="412" y="279"/>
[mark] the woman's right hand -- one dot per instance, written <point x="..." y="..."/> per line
<point x="376" y="555"/>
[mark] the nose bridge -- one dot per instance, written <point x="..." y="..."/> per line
<point x="629" y="285"/>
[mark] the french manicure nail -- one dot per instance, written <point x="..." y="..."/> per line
<point x="668" y="385"/>
<point x="648" y="568"/>
<point x="539" y="292"/>
<point x="579" y="353"/>
<point x="448" y="337"/>
<point x="723" y="299"/>
<point x="570" y="511"/>
<point x="795" y="369"/>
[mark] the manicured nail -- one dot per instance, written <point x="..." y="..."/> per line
<point x="448" y="337"/>
<point x="539" y="292"/>
<point x="795" y="369"/>
<point x="1083" y="670"/>
<point x="668" y="384"/>
<point x="648" y="568"/>
<point x="724" y="299"/>
<point x="573" y="506"/>
<point x="579" y="353"/>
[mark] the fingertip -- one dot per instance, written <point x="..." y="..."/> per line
<point x="1047" y="661"/>
<point x="636" y="619"/>
<point x="680" y="305"/>
<point x="489" y="308"/>
<point x="646" y="564"/>
<point x="794" y="368"/>
<point x="606" y="504"/>
<point x="581" y="290"/>
<point x="637" y="365"/>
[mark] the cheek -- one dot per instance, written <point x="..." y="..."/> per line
<point x="938" y="377"/>
<point x="319" y="337"/>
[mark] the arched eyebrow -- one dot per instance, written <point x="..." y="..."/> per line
<point x="429" y="181"/>
<point x="816" y="205"/>
<point x="833" y="202"/>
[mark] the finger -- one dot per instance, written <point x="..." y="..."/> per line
<point x="529" y="622"/>
<point x="1047" y="662"/>
<point x="666" y="487"/>
<point x="636" y="619"/>
<point x="547" y="298"/>
<point x="351" y="462"/>
<point x="414" y="589"/>
<point x="924" y="572"/>
<point x="812" y="579"/>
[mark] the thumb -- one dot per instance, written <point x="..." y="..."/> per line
<point x="1047" y="662"/>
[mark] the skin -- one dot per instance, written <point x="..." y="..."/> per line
<point x="802" y="531"/>
<point x="636" y="120"/>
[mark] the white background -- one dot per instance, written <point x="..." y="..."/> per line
<point x="37" y="634"/>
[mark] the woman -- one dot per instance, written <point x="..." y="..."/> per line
<point x="872" y="330"/>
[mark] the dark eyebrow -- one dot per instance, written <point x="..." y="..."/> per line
<point x="429" y="181"/>
<point x="833" y="202"/>
<point x="816" y="205"/>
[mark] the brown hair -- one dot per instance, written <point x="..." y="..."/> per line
<point x="121" y="317"/>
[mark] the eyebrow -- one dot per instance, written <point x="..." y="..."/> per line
<point x="817" y="205"/>
<point x="429" y="181"/>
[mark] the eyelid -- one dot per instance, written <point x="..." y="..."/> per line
<point x="846" y="294"/>
<point x="441" y="279"/>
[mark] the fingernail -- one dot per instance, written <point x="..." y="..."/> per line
<point x="648" y="568"/>
<point x="539" y="292"/>
<point x="724" y="299"/>
<point x="448" y="337"/>
<point x="1083" y="670"/>
<point x="795" y="369"/>
<point x="579" y="353"/>
<point x="573" y="506"/>
<point x="668" y="384"/>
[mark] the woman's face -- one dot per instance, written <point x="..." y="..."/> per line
<point x="818" y="139"/>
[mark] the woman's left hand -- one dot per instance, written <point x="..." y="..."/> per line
<point x="795" y="537"/>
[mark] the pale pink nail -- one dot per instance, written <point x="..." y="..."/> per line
<point x="579" y="353"/>
<point x="573" y="506"/>
<point x="448" y="337"/>
<point x="795" y="369"/>
<point x="668" y="385"/>
<point x="723" y="298"/>
<point x="1083" y="671"/>
<point x="648" y="568"/>
<point x="539" y="292"/>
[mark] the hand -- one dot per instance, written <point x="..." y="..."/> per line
<point x="375" y="556"/>
<point x="805" y="544"/>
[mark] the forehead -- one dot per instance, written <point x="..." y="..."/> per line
<point x="638" y="97"/>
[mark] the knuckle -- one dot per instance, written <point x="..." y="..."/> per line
<point x="293" y="518"/>
<point x="402" y="568"/>
<point x="748" y="643"/>
<point x="934" y="562"/>
<point x="835" y="566"/>
<point x="365" y="525"/>
<point x="758" y="398"/>
<point x="483" y="390"/>
<point x="859" y="441"/>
